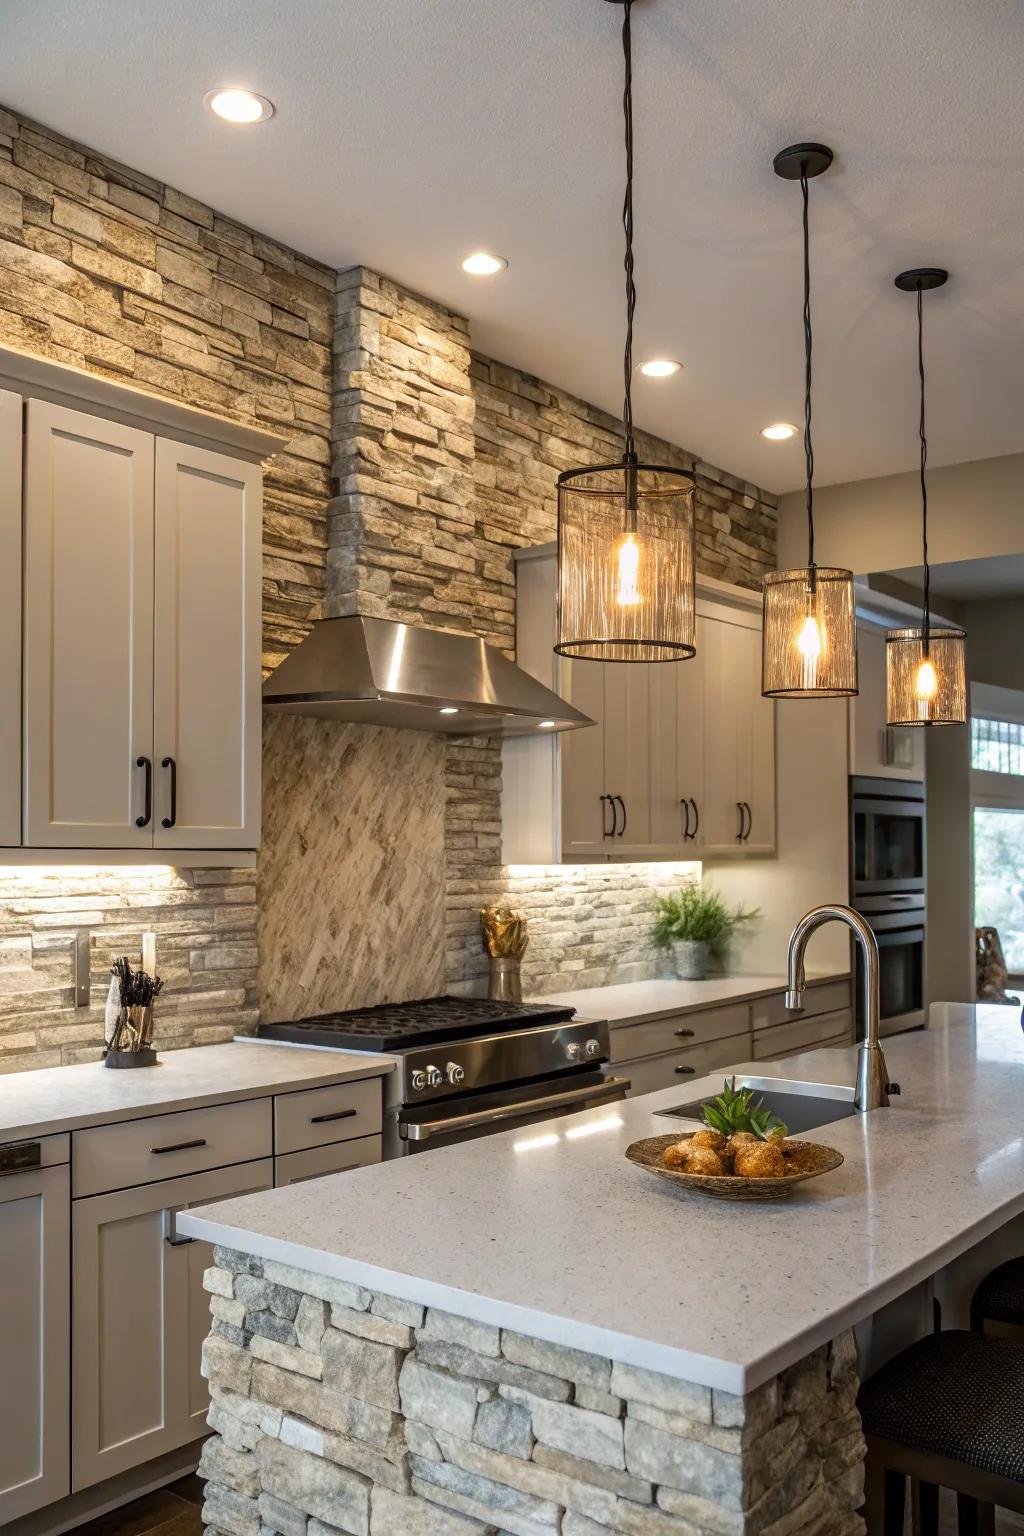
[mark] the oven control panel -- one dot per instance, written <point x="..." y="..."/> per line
<point x="468" y="1066"/>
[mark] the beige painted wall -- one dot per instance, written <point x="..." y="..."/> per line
<point x="950" y="934"/>
<point x="813" y="859"/>
<point x="974" y="510"/>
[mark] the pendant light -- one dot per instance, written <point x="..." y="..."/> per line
<point x="925" y="667"/>
<point x="626" y="530"/>
<point x="809" y="642"/>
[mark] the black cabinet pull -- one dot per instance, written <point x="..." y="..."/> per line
<point x="746" y="822"/>
<point x="696" y="818"/>
<point x="687" y="834"/>
<point x="607" y="800"/>
<point x="623" y="805"/>
<point x="684" y="1034"/>
<point x="339" y="1114"/>
<point x="685" y="1071"/>
<point x="179" y="1146"/>
<point x="612" y="801"/>
<point x="168" y="762"/>
<point x="743" y="821"/>
<point x="144" y="819"/>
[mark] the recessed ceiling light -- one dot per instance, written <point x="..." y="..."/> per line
<point x="449" y="709"/>
<point x="779" y="432"/>
<point x="660" y="368"/>
<point x="483" y="264"/>
<point x="238" y="106"/>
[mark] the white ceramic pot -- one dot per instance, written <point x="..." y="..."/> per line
<point x="691" y="959"/>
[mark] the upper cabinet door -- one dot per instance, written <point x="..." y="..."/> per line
<point x="88" y="660"/>
<point x="586" y="820"/>
<point x="677" y="752"/>
<point x="739" y="771"/>
<point x="627" y="752"/>
<point x="10" y="619"/>
<point x="207" y="709"/>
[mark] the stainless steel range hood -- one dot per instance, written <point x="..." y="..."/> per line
<point x="379" y="672"/>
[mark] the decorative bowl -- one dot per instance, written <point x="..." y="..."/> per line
<point x="805" y="1159"/>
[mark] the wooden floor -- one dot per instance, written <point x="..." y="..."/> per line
<point x="172" y="1511"/>
<point x="176" y="1511"/>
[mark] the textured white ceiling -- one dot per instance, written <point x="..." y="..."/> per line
<point x="411" y="131"/>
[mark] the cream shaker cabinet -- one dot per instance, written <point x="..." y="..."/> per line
<point x="10" y="619"/>
<point x="141" y="639"/>
<point x="34" y="1332"/>
<point x="680" y="762"/>
<point x="88" y="658"/>
<point x="139" y="1316"/>
<point x="206" y="683"/>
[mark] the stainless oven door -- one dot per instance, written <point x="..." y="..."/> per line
<point x="465" y="1118"/>
<point x="900" y="976"/>
<point x="887" y="846"/>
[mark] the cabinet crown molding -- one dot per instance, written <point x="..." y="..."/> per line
<point x="39" y="379"/>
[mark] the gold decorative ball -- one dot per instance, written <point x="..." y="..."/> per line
<point x="763" y="1160"/>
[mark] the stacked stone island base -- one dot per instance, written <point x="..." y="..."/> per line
<point x="337" y="1409"/>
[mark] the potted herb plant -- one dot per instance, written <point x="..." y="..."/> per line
<point x="694" y="923"/>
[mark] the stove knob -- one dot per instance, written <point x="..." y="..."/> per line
<point x="419" y="1080"/>
<point x="434" y="1078"/>
<point x="593" y="1047"/>
<point x="573" y="1050"/>
<point x="456" y="1074"/>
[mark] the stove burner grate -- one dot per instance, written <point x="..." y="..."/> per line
<point x="394" y="1026"/>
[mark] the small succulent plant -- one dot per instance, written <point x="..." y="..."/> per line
<point x="737" y="1109"/>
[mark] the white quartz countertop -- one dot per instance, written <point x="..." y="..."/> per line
<point x="64" y="1098"/>
<point x="550" y="1231"/>
<point x="633" y="1002"/>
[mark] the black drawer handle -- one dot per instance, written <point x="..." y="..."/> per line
<point x="339" y="1114"/>
<point x="696" y="819"/>
<point x="168" y="762"/>
<point x="144" y="819"/>
<point x="622" y="803"/>
<point x="687" y="834"/>
<point x="685" y="1071"/>
<point x="604" y="829"/>
<point x="684" y="1034"/>
<point x="179" y="1146"/>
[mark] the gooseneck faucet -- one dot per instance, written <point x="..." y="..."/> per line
<point x="873" y="1086"/>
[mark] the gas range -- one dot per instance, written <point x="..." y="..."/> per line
<point x="468" y="1065"/>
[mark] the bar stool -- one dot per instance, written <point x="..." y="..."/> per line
<point x="1000" y="1297"/>
<point x="946" y="1413"/>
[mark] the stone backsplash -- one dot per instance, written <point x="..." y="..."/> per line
<point x="338" y="1409"/>
<point x="413" y="469"/>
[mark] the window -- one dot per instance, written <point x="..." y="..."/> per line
<point x="997" y="746"/>
<point x="999" y="875"/>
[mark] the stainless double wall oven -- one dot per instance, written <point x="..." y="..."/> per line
<point x="887" y="876"/>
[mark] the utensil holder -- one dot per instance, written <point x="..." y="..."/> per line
<point x="505" y="983"/>
<point x="130" y="1044"/>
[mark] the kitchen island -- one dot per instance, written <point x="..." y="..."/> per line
<point x="528" y="1334"/>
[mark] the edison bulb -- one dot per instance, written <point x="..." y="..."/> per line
<point x="627" y="590"/>
<point x="926" y="682"/>
<point x="810" y="642"/>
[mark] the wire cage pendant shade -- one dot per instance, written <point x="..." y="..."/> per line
<point x="626" y="541"/>
<point x="926" y="680"/>
<point x="809" y="635"/>
<point x="626" y="563"/>
<point x="926" y="665"/>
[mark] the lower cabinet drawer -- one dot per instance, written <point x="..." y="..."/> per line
<point x="804" y="1035"/>
<point x="678" y="1031"/>
<point x="158" y="1147"/>
<point x="341" y="1156"/>
<point x="317" y="1116"/>
<point x="678" y="1068"/>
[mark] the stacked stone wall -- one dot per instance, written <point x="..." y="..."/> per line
<point x="337" y="1409"/>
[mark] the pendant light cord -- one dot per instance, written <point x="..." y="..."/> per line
<point x="926" y="621"/>
<point x="808" y="346"/>
<point x="627" y="224"/>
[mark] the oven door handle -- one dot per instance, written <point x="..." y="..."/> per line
<point x="423" y="1130"/>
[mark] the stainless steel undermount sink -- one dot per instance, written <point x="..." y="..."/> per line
<point x="802" y="1106"/>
